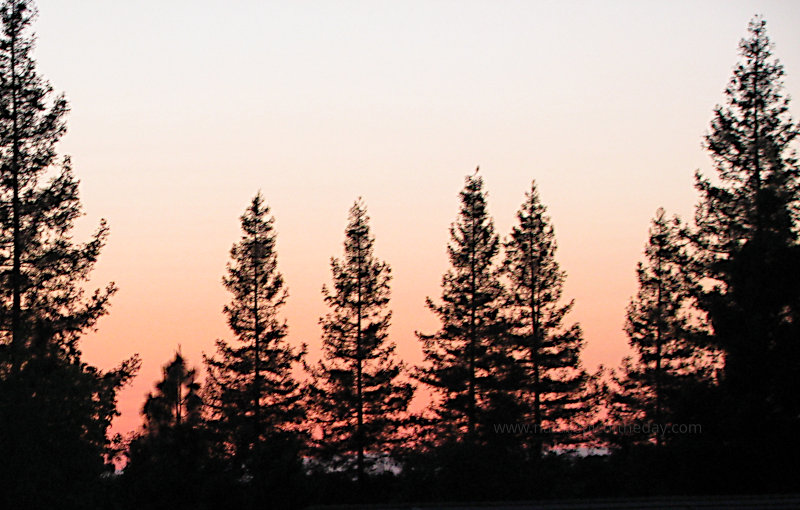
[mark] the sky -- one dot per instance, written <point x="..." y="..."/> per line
<point x="182" y="110"/>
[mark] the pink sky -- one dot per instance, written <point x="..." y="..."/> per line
<point x="181" y="111"/>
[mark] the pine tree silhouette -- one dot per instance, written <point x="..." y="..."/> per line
<point x="745" y="241"/>
<point x="663" y="331"/>
<point x="251" y="391"/>
<point x="55" y="408"/>
<point x="554" y="386"/>
<point x="357" y="393"/>
<point x="177" y="399"/>
<point x="169" y="461"/>
<point x="468" y="362"/>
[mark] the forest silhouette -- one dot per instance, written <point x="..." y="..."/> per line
<point x="707" y="404"/>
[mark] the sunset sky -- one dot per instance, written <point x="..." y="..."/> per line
<point x="183" y="110"/>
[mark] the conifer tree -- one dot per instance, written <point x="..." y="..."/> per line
<point x="358" y="393"/>
<point x="168" y="462"/>
<point x="468" y="363"/>
<point x="251" y="390"/>
<point x="554" y="385"/>
<point x="745" y="242"/>
<point x="53" y="405"/>
<point x="650" y="387"/>
<point x="177" y="400"/>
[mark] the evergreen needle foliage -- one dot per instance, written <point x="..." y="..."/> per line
<point x="55" y="409"/>
<point x="468" y="362"/>
<point x="251" y="391"/>
<point x="177" y="399"/>
<point x="651" y="387"/>
<point x="708" y="402"/>
<point x="358" y="395"/>
<point x="745" y="243"/>
<point x="168" y="461"/>
<point x="553" y="388"/>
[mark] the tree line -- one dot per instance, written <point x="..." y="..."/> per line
<point x="707" y="402"/>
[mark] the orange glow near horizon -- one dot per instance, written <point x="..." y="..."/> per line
<point x="181" y="112"/>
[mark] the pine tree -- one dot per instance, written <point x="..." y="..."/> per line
<point x="745" y="242"/>
<point x="177" y="400"/>
<point x="663" y="332"/>
<point x="252" y="393"/>
<point x="358" y="394"/>
<point x="468" y="363"/>
<point x="554" y="386"/>
<point x="53" y="405"/>
<point x="168" y="461"/>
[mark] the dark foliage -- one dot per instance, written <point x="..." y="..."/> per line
<point x="55" y="409"/>
<point x="469" y="363"/>
<point x="747" y="250"/>
<point x="652" y="388"/>
<point x="358" y="397"/>
<point x="168" y="461"/>
<point x="253" y="400"/>
<point x="713" y="383"/>
<point x="554" y="390"/>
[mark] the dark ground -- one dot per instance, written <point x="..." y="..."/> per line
<point x="791" y="501"/>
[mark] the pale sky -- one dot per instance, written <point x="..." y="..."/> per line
<point x="183" y="110"/>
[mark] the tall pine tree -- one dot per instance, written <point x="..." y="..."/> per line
<point x="553" y="389"/>
<point x="650" y="388"/>
<point x="53" y="405"/>
<point x="745" y="242"/>
<point x="468" y="362"/>
<point x="252" y="393"/>
<point x="358" y="393"/>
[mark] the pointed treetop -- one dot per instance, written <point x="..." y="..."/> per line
<point x="257" y="206"/>
<point x="359" y="208"/>
<point x="533" y="200"/>
<point x="358" y="224"/>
